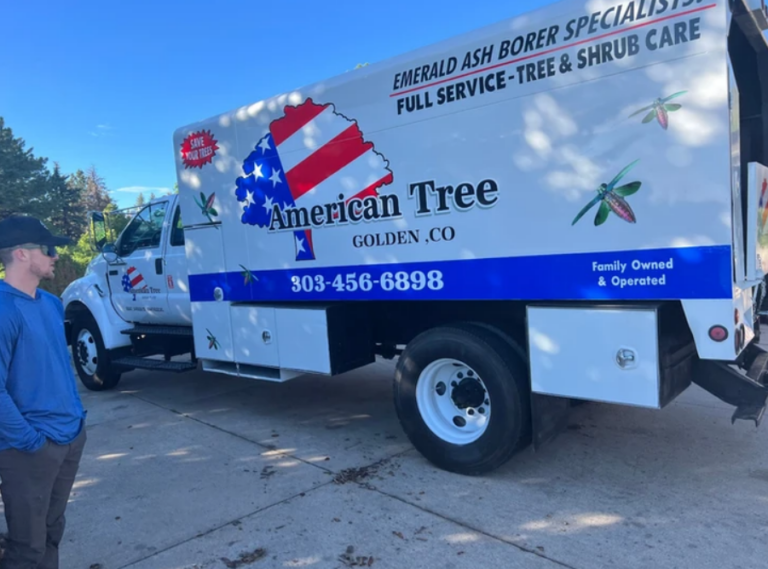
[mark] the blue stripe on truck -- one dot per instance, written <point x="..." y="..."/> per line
<point x="652" y="274"/>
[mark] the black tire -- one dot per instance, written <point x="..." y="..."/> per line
<point x="503" y="372"/>
<point x="105" y="377"/>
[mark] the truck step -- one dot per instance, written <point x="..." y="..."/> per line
<point x="136" y="362"/>
<point x="750" y="412"/>
<point x="747" y="392"/>
<point x="150" y="329"/>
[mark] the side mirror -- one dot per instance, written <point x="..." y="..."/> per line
<point x="97" y="230"/>
<point x="110" y="252"/>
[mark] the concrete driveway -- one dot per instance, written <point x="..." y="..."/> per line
<point x="208" y="471"/>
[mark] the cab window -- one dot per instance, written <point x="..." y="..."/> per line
<point x="145" y="230"/>
<point x="177" y="230"/>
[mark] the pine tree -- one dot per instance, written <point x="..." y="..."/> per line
<point x="22" y="176"/>
<point x="67" y="211"/>
<point x="96" y="197"/>
<point x="92" y="189"/>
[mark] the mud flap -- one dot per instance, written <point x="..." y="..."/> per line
<point x="549" y="416"/>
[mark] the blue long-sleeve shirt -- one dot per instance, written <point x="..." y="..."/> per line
<point x="38" y="392"/>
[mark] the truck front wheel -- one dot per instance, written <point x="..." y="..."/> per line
<point x="91" y="358"/>
<point x="462" y="397"/>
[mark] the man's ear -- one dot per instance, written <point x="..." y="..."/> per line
<point x="21" y="255"/>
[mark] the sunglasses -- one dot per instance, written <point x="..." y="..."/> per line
<point x="49" y="250"/>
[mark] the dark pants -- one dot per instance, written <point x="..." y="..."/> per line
<point x="35" y="490"/>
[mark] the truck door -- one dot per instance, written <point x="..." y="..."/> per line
<point x="137" y="280"/>
<point x="176" y="277"/>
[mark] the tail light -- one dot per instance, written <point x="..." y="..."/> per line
<point x="718" y="333"/>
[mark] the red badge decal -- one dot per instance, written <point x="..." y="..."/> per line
<point x="198" y="149"/>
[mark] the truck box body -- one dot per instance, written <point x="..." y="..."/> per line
<point x="469" y="161"/>
<point x="456" y="172"/>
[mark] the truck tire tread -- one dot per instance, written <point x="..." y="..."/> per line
<point x="105" y="377"/>
<point x="504" y="373"/>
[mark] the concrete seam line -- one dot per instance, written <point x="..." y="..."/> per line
<point x="246" y="439"/>
<point x="222" y="526"/>
<point x="469" y="527"/>
<point x="236" y="435"/>
<point x="255" y="512"/>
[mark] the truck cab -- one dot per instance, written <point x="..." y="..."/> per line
<point x="134" y="293"/>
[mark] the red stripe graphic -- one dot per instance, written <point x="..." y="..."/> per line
<point x="136" y="280"/>
<point x="370" y="191"/>
<point x="294" y="119"/>
<point x="556" y="49"/>
<point x="308" y="235"/>
<point x="326" y="161"/>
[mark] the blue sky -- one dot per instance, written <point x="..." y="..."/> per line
<point x="105" y="84"/>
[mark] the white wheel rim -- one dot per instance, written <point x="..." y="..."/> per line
<point x="87" y="354"/>
<point x="453" y="401"/>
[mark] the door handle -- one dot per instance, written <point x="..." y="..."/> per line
<point x="113" y="273"/>
<point x="159" y="266"/>
<point x="626" y="358"/>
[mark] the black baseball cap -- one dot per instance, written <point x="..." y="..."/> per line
<point x="20" y="229"/>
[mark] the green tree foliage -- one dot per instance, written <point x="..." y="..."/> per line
<point x="77" y="181"/>
<point x="22" y="176"/>
<point x="94" y="191"/>
<point x="117" y="220"/>
<point x="67" y="216"/>
<point x="28" y="187"/>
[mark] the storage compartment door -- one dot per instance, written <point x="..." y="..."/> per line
<point x="304" y="344"/>
<point x="210" y="309"/>
<point x="213" y="331"/>
<point x="597" y="354"/>
<point x="255" y="332"/>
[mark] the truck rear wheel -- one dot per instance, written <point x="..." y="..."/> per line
<point x="463" y="399"/>
<point x="91" y="358"/>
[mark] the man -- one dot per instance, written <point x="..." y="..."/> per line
<point x="42" y="421"/>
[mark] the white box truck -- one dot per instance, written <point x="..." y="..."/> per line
<point x="568" y="205"/>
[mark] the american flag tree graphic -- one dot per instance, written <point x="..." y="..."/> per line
<point x="311" y="156"/>
<point x="132" y="280"/>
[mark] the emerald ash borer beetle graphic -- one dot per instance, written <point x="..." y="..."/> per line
<point x="206" y="205"/>
<point x="213" y="343"/>
<point x="612" y="199"/>
<point x="660" y="110"/>
<point x="248" y="276"/>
